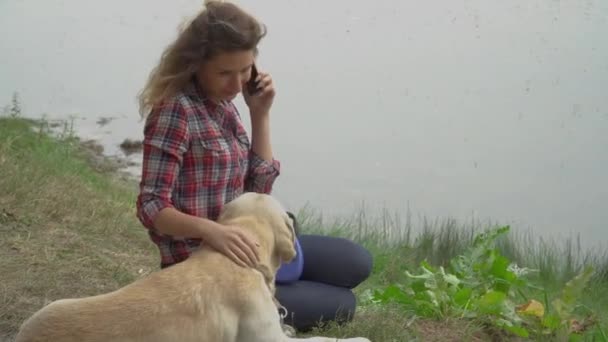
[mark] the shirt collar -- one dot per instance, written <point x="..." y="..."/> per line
<point x="194" y="91"/>
<point x="216" y="111"/>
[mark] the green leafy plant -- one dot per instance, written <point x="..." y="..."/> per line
<point x="562" y="318"/>
<point x="484" y="285"/>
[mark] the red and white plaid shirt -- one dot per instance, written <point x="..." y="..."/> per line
<point x="196" y="158"/>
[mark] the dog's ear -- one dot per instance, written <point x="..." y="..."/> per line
<point x="285" y="240"/>
<point x="295" y="225"/>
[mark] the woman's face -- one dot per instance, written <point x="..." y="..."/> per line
<point x="224" y="76"/>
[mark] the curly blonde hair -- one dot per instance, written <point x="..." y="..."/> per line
<point x="220" y="27"/>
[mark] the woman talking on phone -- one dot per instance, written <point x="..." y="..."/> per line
<point x="197" y="157"/>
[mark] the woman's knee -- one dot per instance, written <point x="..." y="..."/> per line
<point x="309" y="303"/>
<point x="334" y="260"/>
<point x="361" y="263"/>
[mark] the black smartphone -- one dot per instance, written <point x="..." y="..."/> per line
<point x="252" y="84"/>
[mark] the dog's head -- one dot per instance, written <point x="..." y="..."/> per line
<point x="269" y="210"/>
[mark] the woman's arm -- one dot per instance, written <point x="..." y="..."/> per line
<point x="170" y="221"/>
<point x="260" y="136"/>
<point x="263" y="168"/>
<point x="259" y="109"/>
<point x="235" y="243"/>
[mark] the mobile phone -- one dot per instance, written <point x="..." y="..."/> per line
<point x="252" y="84"/>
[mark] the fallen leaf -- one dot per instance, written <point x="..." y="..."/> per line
<point x="532" y="307"/>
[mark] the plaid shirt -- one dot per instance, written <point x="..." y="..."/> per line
<point x="196" y="158"/>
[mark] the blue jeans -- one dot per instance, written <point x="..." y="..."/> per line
<point x="332" y="268"/>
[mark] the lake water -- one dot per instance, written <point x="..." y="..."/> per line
<point x="467" y="108"/>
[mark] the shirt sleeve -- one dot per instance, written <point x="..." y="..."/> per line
<point x="165" y="141"/>
<point x="261" y="174"/>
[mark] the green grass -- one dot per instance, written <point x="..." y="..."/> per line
<point x="66" y="229"/>
<point x="70" y="230"/>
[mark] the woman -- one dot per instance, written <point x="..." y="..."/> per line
<point x="197" y="157"/>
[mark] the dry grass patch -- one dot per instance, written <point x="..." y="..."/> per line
<point x="66" y="230"/>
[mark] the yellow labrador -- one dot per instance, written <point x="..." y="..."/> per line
<point x="206" y="298"/>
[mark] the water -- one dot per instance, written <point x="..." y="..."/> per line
<point x="468" y="108"/>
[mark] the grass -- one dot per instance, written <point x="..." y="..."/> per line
<point x="400" y="245"/>
<point x="66" y="229"/>
<point x="69" y="230"/>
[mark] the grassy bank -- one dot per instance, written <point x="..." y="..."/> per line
<point x="69" y="230"/>
<point x="66" y="229"/>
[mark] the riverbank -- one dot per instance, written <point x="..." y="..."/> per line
<point x="68" y="230"/>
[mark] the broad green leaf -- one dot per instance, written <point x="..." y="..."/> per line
<point x="463" y="296"/>
<point x="418" y="286"/>
<point x="491" y="302"/>
<point x="500" y="269"/>
<point x="502" y="286"/>
<point x="390" y="294"/>
<point x="499" y="266"/>
<point x="426" y="309"/>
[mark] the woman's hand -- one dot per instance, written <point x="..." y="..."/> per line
<point x="235" y="243"/>
<point x="259" y="103"/>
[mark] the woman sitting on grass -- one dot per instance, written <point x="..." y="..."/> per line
<point x="197" y="157"/>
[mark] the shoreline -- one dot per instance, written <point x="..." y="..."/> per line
<point x="117" y="164"/>
<point x="123" y="166"/>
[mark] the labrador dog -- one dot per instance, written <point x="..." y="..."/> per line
<point x="206" y="298"/>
